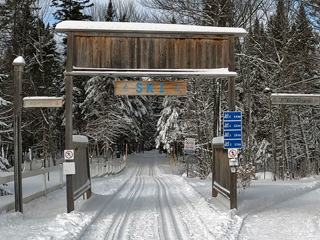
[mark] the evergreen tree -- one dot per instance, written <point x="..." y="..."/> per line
<point x="74" y="10"/>
<point x="110" y="12"/>
<point x="27" y="35"/>
<point x="71" y="9"/>
<point x="303" y="47"/>
<point x="112" y="120"/>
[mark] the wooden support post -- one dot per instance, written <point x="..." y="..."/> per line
<point x="69" y="124"/>
<point x="18" y="64"/>
<point x="232" y="107"/>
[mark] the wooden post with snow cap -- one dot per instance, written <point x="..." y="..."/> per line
<point x="232" y="107"/>
<point x="18" y="64"/>
<point x="69" y="122"/>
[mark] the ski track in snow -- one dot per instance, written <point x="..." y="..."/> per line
<point x="266" y="218"/>
<point x="143" y="202"/>
<point x="150" y="205"/>
<point x="105" y="227"/>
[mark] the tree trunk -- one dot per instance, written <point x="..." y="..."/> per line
<point x="283" y="158"/>
<point x="305" y="145"/>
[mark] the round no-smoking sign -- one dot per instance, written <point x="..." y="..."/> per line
<point x="68" y="154"/>
<point x="232" y="153"/>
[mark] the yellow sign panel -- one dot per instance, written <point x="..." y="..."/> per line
<point x="32" y="102"/>
<point x="150" y="88"/>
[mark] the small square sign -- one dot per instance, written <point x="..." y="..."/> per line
<point x="69" y="168"/>
<point x="232" y="153"/>
<point x="68" y="154"/>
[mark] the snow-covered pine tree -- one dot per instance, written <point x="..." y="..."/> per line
<point x="170" y="127"/>
<point x="113" y="120"/>
<point x="71" y="9"/>
<point x="110" y="14"/>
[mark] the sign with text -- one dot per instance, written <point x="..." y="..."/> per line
<point x="46" y="102"/>
<point x="232" y="130"/>
<point x="295" y="99"/>
<point x="150" y="88"/>
<point x="189" y="145"/>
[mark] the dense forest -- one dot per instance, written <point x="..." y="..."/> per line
<point x="279" y="55"/>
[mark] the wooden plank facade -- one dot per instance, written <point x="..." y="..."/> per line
<point x="152" y="52"/>
<point x="132" y="46"/>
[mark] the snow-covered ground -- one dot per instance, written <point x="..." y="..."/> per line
<point x="149" y="201"/>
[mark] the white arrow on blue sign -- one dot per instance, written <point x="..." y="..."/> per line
<point x="232" y="130"/>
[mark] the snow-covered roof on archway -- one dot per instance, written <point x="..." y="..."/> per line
<point x="122" y="27"/>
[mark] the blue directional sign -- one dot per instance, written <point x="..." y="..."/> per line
<point x="232" y="134"/>
<point x="232" y="130"/>
<point x="231" y="116"/>
<point x="229" y="125"/>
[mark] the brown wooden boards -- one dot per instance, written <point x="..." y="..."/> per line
<point x="150" y="53"/>
<point x="150" y="88"/>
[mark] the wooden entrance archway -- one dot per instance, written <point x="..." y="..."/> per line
<point x="146" y="50"/>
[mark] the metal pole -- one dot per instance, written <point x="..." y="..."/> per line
<point x="18" y="64"/>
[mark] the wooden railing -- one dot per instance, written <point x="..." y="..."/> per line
<point x="39" y="193"/>
<point x="101" y="169"/>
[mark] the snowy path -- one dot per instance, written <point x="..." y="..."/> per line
<point x="146" y="202"/>
<point x="152" y="205"/>
<point x="295" y="214"/>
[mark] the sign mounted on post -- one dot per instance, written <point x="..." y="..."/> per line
<point x="68" y="154"/>
<point x="32" y="102"/>
<point x="189" y="145"/>
<point x="150" y="88"/>
<point x="232" y="153"/>
<point x="232" y="130"/>
<point x="69" y="168"/>
<point x="295" y="99"/>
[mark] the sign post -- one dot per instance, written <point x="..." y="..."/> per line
<point x="18" y="64"/>
<point x="189" y="148"/>
<point x="232" y="130"/>
<point x="232" y="133"/>
<point x="189" y="145"/>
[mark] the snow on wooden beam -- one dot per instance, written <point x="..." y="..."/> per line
<point x="147" y="28"/>
<point x="204" y="73"/>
